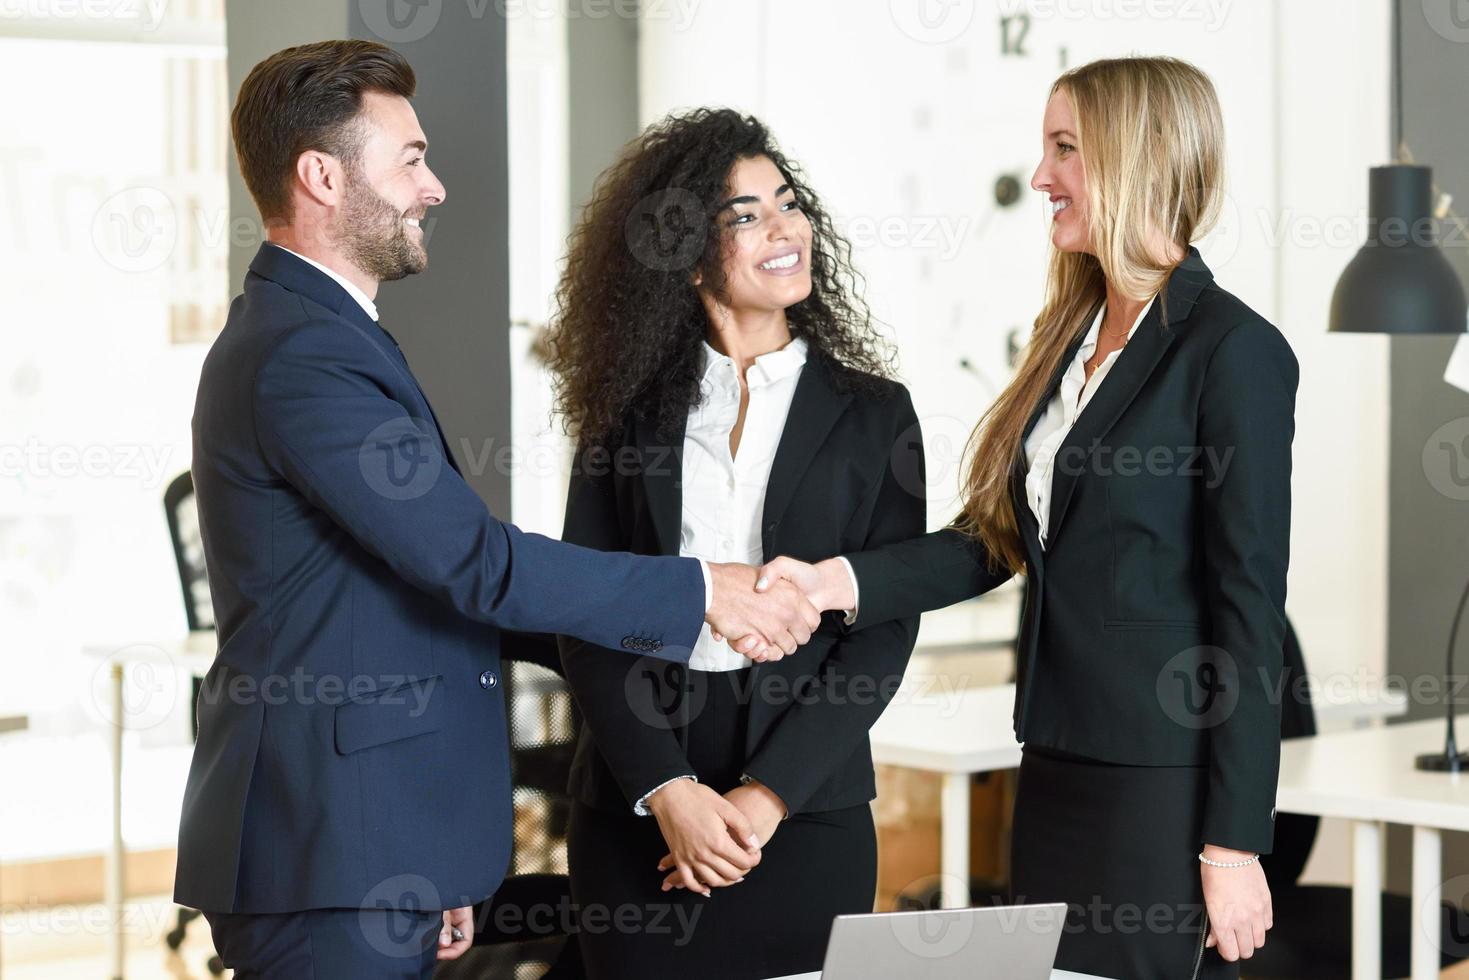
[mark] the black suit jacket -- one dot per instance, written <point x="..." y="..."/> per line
<point x="1154" y="619"/>
<point x="848" y="475"/>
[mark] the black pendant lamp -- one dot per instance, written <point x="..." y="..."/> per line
<point x="1400" y="282"/>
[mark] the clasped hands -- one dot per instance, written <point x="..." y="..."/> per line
<point x="713" y="841"/>
<point x="767" y="613"/>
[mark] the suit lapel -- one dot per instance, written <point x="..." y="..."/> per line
<point x="1129" y="372"/>
<point x="815" y="408"/>
<point x="662" y="472"/>
<point x="290" y="271"/>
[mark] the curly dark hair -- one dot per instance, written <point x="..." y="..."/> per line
<point x="627" y="331"/>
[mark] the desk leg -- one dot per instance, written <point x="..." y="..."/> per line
<point x="1366" y="899"/>
<point x="1427" y="886"/>
<point x="115" y="853"/>
<point x="954" y="853"/>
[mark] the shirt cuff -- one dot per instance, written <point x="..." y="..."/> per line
<point x="849" y="616"/>
<point x="708" y="585"/>
<point x="641" y="806"/>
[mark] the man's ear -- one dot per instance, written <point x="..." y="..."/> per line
<point x="319" y="175"/>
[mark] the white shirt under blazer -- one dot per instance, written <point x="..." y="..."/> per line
<point x="1051" y="428"/>
<point x="724" y="493"/>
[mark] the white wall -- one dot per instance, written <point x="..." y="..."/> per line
<point x="536" y="57"/>
<point x="903" y="125"/>
<point x="113" y="247"/>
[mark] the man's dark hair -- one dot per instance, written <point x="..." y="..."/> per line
<point x="308" y="98"/>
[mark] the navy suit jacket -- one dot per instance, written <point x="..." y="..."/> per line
<point x="352" y="748"/>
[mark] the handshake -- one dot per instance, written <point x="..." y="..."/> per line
<point x="766" y="613"/>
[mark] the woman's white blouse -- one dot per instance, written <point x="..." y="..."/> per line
<point x="724" y="496"/>
<point x="1071" y="398"/>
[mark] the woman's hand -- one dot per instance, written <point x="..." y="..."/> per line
<point x="761" y="807"/>
<point x="710" y="842"/>
<point x="1238" y="902"/>
<point x="827" y="584"/>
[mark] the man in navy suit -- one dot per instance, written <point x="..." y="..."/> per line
<point x="349" y="794"/>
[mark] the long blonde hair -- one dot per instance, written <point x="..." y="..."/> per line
<point x="1152" y="144"/>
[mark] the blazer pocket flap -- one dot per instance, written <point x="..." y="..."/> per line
<point x="1186" y="625"/>
<point x="390" y="714"/>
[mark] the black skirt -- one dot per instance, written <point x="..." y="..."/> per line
<point x="1119" y="844"/>
<point x="774" y="923"/>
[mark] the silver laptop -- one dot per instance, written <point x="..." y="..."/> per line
<point x="1012" y="942"/>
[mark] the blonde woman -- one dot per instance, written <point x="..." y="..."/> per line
<point x="1137" y="472"/>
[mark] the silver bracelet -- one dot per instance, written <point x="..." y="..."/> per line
<point x="1228" y="864"/>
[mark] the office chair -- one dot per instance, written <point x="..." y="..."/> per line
<point x="520" y="931"/>
<point x="182" y="511"/>
<point x="1313" y="923"/>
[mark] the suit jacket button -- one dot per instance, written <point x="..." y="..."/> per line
<point x="488" y="680"/>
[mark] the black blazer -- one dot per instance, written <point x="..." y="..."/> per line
<point x="847" y="475"/>
<point x="1153" y="622"/>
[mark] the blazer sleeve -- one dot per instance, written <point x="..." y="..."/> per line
<point x="919" y="574"/>
<point x="322" y="417"/>
<point x="618" y="701"/>
<point x="1246" y="423"/>
<point x="863" y="670"/>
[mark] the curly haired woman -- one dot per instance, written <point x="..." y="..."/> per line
<point x="731" y="400"/>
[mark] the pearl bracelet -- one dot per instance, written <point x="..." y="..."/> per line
<point x="1228" y="864"/>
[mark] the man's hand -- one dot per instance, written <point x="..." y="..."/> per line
<point x="1238" y="902"/>
<point x="463" y="920"/>
<point x="762" y="626"/>
<point x="761" y="807"/>
<point x="826" y="584"/>
<point x="710" y="842"/>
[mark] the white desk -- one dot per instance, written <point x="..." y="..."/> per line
<point x="961" y="733"/>
<point x="1368" y="778"/>
<point x="184" y="658"/>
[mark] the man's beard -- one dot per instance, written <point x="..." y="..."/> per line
<point x="374" y="237"/>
